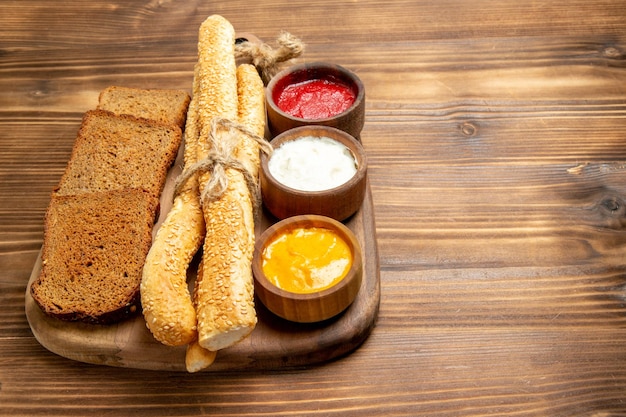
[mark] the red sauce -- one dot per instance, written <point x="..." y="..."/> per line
<point x="315" y="99"/>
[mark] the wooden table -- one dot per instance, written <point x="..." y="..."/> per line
<point x="496" y="136"/>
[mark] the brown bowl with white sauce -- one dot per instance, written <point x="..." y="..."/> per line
<point x="314" y="170"/>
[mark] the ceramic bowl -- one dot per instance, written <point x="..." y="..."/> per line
<point x="351" y="120"/>
<point x="315" y="306"/>
<point x="339" y="202"/>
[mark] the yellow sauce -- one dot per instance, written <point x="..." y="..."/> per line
<point x="306" y="260"/>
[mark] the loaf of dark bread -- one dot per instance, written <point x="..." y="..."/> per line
<point x="98" y="226"/>
<point x="120" y="151"/>
<point x="166" y="106"/>
<point x="93" y="255"/>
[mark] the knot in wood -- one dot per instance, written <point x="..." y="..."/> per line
<point x="612" y="204"/>
<point x="612" y="212"/>
<point x="612" y="52"/>
<point x="468" y="129"/>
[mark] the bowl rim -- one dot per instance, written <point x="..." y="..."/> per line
<point x="307" y="220"/>
<point x="357" y="150"/>
<point x="314" y="66"/>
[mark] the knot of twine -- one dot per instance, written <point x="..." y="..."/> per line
<point x="265" y="58"/>
<point x="221" y="158"/>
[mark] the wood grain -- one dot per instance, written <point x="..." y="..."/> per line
<point x="495" y="134"/>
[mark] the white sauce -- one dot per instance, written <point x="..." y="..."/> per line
<point x="312" y="163"/>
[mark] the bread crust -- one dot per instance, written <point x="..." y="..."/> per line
<point x="167" y="304"/>
<point x="163" y="105"/>
<point x="91" y="267"/>
<point x="167" y="307"/>
<point x="222" y="294"/>
<point x="198" y="358"/>
<point x="225" y="296"/>
<point x="119" y="151"/>
<point x="223" y="300"/>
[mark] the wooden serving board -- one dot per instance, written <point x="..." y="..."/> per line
<point x="275" y="343"/>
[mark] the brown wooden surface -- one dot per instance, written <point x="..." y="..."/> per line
<point x="495" y="133"/>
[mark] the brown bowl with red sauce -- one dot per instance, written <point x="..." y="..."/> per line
<point x="316" y="94"/>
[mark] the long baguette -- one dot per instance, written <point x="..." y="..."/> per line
<point x="224" y="291"/>
<point x="167" y="304"/>
<point x="251" y="114"/>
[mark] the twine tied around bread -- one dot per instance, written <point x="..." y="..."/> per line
<point x="265" y="58"/>
<point x="224" y="137"/>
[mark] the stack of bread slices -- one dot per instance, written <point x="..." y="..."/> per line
<point x="98" y="225"/>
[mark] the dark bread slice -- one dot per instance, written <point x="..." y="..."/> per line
<point x="119" y="151"/>
<point x="167" y="106"/>
<point x="95" y="245"/>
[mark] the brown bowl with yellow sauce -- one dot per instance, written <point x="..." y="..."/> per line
<point x="307" y="268"/>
